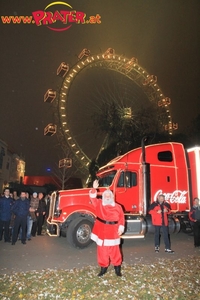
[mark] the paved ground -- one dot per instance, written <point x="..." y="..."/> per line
<point x="44" y="252"/>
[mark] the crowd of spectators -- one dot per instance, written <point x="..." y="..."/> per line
<point x="22" y="216"/>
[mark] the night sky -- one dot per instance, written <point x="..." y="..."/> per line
<point x="164" y="35"/>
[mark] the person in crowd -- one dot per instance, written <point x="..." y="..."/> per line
<point x="15" y="197"/>
<point x="21" y="210"/>
<point x="34" y="202"/>
<point x="6" y="203"/>
<point x="48" y="199"/>
<point x="40" y="215"/>
<point x="108" y="227"/>
<point x="194" y="216"/>
<point x="159" y="211"/>
<point x="27" y="224"/>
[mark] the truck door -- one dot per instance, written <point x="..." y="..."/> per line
<point x="127" y="191"/>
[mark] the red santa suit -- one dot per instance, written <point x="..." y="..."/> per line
<point x="108" y="226"/>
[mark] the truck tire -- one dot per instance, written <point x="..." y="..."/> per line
<point x="78" y="232"/>
<point x="186" y="227"/>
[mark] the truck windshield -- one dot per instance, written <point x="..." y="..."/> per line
<point x="106" y="179"/>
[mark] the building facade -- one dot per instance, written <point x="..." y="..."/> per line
<point x="12" y="166"/>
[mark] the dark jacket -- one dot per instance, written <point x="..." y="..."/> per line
<point x="6" y="208"/>
<point x="159" y="219"/>
<point x="194" y="214"/>
<point x="41" y="206"/>
<point x="21" y="207"/>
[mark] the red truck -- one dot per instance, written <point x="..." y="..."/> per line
<point x="136" y="179"/>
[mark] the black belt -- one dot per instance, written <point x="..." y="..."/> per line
<point x="107" y="222"/>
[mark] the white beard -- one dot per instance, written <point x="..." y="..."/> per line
<point x="108" y="201"/>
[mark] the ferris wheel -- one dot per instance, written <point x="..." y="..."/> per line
<point x="88" y="87"/>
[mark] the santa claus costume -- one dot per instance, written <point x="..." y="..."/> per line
<point x="108" y="227"/>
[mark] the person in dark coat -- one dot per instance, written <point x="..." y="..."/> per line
<point x="6" y="203"/>
<point x="20" y="209"/>
<point x="194" y="216"/>
<point x="40" y="215"/>
<point x="159" y="211"/>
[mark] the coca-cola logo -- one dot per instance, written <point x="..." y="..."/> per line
<point x="175" y="197"/>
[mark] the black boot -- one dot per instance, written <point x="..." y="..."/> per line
<point x="103" y="271"/>
<point x="118" y="270"/>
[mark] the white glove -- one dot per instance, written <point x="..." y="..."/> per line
<point x="95" y="184"/>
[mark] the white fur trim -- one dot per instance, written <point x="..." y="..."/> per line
<point x="92" y="195"/>
<point x="121" y="228"/>
<point x="96" y="239"/>
<point x="112" y="242"/>
<point x="105" y="204"/>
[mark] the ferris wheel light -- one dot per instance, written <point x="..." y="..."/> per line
<point x="77" y="152"/>
<point x="63" y="115"/>
<point x="67" y="130"/>
<point x="73" y="145"/>
<point x="63" y="100"/>
<point x="82" y="157"/>
<point x="64" y="93"/>
<point x="78" y="66"/>
<point x="69" y="138"/>
<point x="74" y="70"/>
<point x="98" y="56"/>
<point x="64" y="123"/>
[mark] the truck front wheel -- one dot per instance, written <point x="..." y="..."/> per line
<point x="79" y="231"/>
